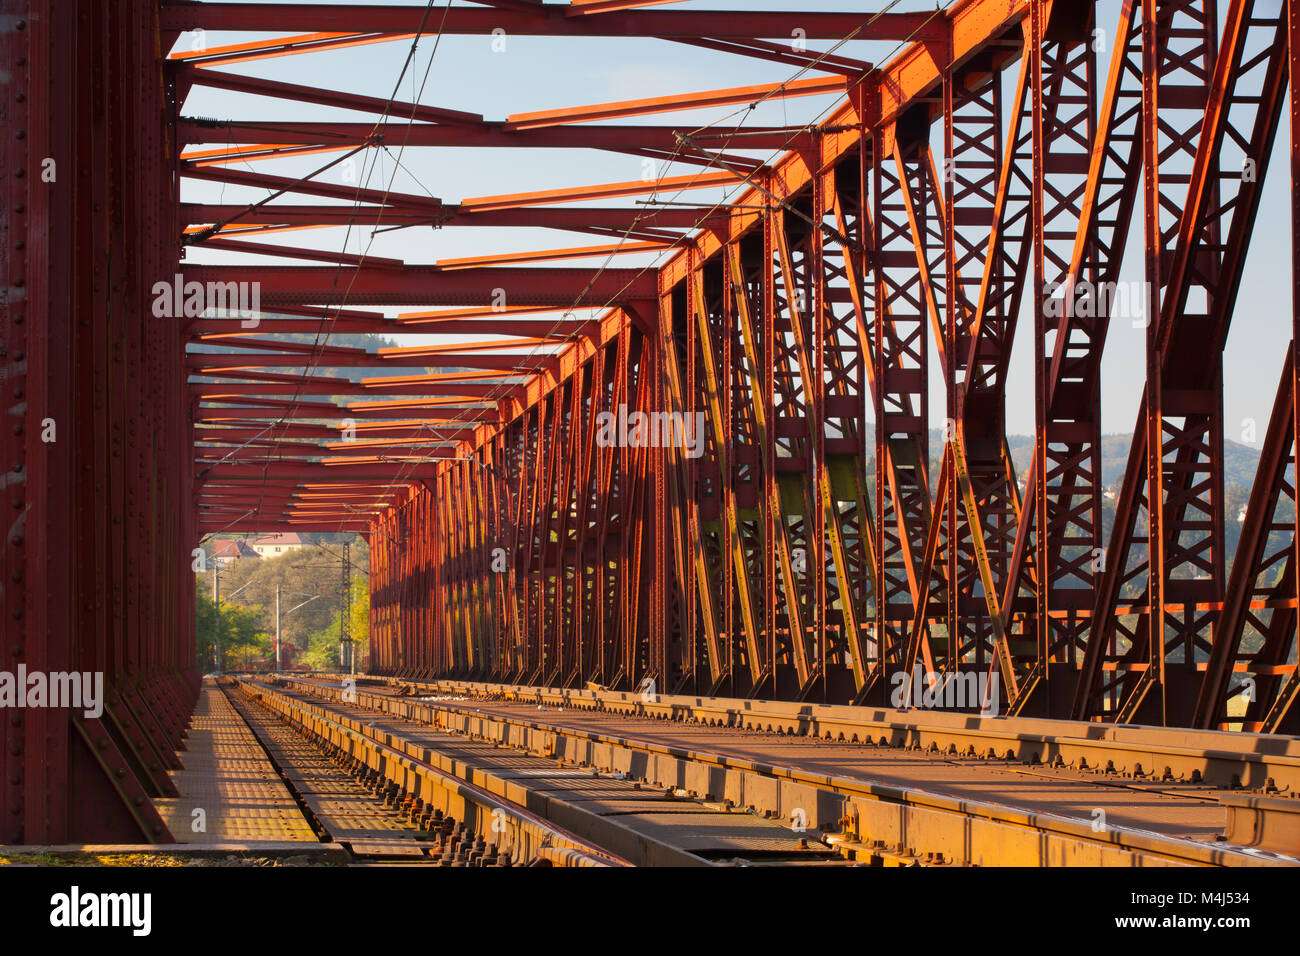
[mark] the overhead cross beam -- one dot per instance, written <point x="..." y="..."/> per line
<point x="551" y="20"/>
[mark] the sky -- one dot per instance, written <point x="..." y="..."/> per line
<point x="536" y="73"/>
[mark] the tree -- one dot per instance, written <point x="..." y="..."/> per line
<point x="322" y="651"/>
<point x="237" y="630"/>
<point x="311" y="588"/>
<point x="312" y="570"/>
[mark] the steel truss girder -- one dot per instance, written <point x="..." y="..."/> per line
<point x="795" y="557"/>
<point x="1195" y="238"/>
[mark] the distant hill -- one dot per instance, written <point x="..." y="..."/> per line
<point x="1239" y="461"/>
<point x="1239" y="465"/>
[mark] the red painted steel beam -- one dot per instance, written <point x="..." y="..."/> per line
<point x="783" y="53"/>
<point x="518" y="363"/>
<point x="284" y="46"/>
<point x="292" y="252"/>
<point x="252" y="408"/>
<point x="278" y="524"/>
<point x="403" y="204"/>
<point x="550" y="20"/>
<point x="428" y="285"/>
<point x="578" y="8"/>
<point x="680" y="101"/>
<point x="96" y="561"/>
<point x="638" y="187"/>
<point x="253" y="429"/>
<point x="294" y="473"/>
<point x="447" y="215"/>
<point x="553" y="255"/>
<point x="310" y="94"/>
<point x="489" y="136"/>
<point x="216" y="391"/>
<point x="553" y="329"/>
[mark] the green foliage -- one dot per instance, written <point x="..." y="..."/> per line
<point x="310" y="580"/>
<point x="322" y="653"/>
<point x="323" y="646"/>
<point x="236" y="629"/>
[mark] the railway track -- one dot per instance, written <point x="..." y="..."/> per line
<point x="351" y="803"/>
<point x="899" y="799"/>
<point x="491" y="787"/>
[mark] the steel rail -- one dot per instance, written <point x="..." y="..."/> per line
<point x="1219" y="758"/>
<point x="411" y="766"/>
<point x="968" y="831"/>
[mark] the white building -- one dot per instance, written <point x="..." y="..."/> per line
<point x="270" y="545"/>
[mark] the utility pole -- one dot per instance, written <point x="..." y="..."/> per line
<point x="216" y="601"/>
<point x="277" y="627"/>
<point x="347" y="660"/>
<point x="279" y="588"/>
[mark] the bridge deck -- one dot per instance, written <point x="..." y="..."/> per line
<point x="231" y="780"/>
<point x="869" y="801"/>
<point x="1175" y="808"/>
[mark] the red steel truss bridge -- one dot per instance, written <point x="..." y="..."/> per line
<point x="713" y="476"/>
